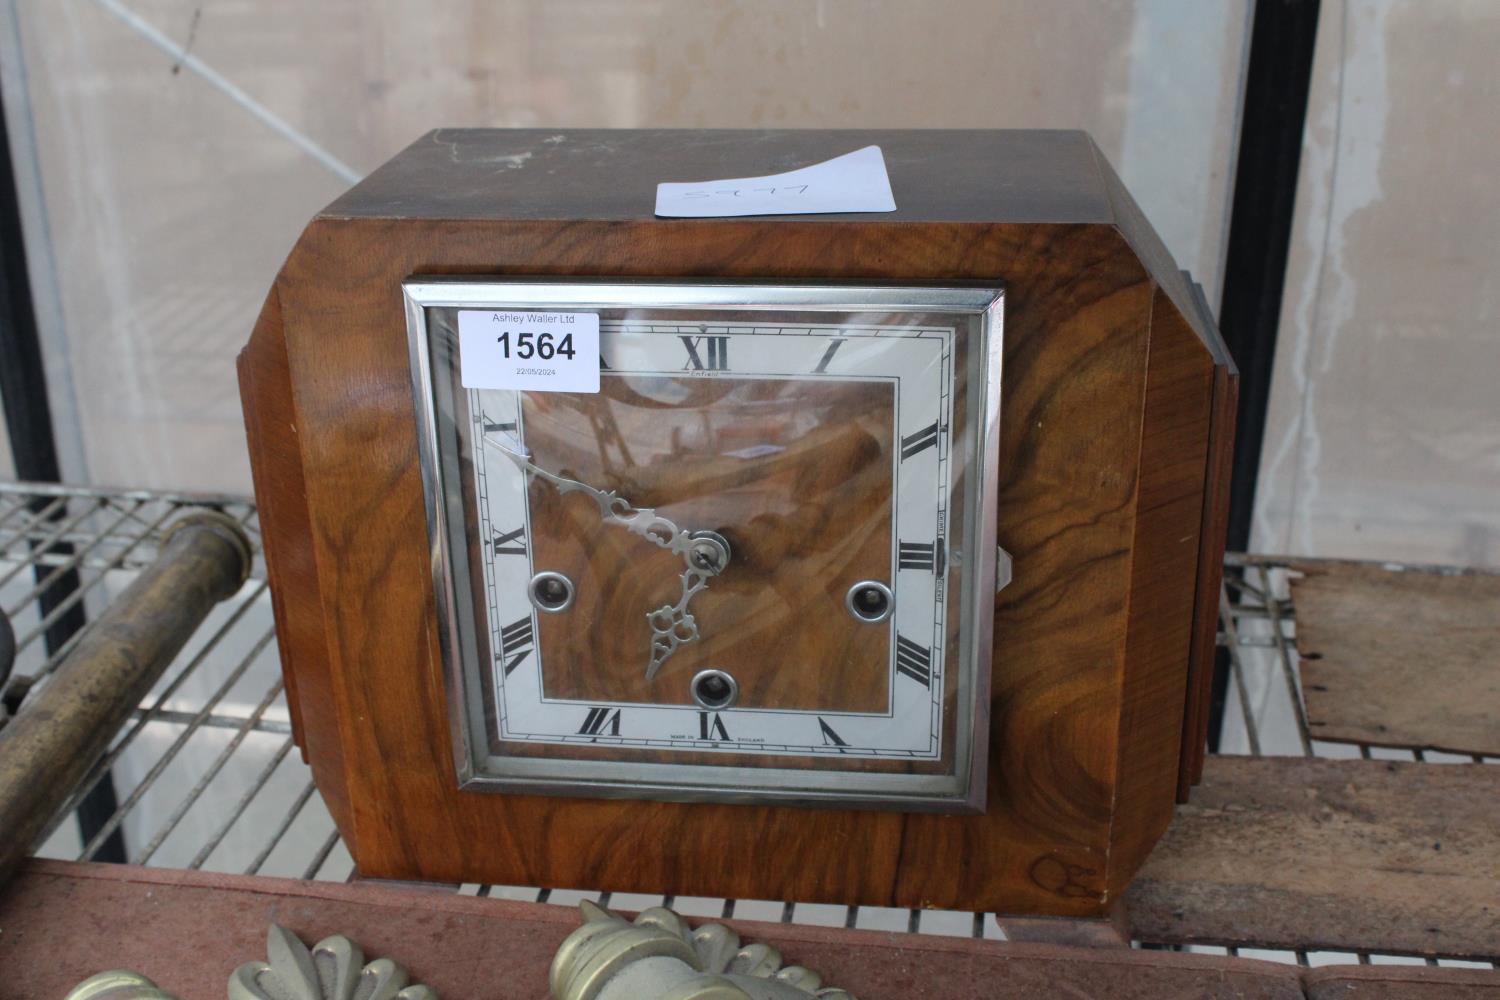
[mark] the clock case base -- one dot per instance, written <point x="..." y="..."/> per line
<point x="1116" y="429"/>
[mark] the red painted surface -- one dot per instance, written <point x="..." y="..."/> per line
<point x="61" y="922"/>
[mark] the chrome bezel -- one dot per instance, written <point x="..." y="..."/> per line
<point x="963" y="790"/>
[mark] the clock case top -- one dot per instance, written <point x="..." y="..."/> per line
<point x="1117" y="426"/>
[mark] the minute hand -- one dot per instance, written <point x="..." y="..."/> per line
<point x="671" y="624"/>
<point x="615" y="509"/>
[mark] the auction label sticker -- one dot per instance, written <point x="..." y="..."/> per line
<point x="534" y="351"/>
<point x="854" y="182"/>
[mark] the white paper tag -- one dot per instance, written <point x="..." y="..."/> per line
<point x="854" y="182"/>
<point x="535" y="351"/>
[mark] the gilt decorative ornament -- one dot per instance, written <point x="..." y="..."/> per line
<point x="660" y="957"/>
<point x="118" y="984"/>
<point x="333" y="969"/>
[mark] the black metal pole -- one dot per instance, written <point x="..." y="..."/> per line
<point x="22" y="384"/>
<point x="28" y="420"/>
<point x="1282" y="40"/>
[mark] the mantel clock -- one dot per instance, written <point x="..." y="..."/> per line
<point x="867" y="559"/>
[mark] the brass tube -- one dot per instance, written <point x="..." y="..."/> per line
<point x="63" y="730"/>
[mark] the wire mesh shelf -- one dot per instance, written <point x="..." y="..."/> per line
<point x="205" y="774"/>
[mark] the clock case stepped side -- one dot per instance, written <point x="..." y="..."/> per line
<point x="1116" y="428"/>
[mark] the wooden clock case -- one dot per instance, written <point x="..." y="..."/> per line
<point x="1116" y="429"/>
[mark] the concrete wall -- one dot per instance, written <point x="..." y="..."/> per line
<point x="173" y="149"/>
<point x="1384" y="432"/>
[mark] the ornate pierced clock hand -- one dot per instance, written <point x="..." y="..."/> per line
<point x="672" y="624"/>
<point x="705" y="555"/>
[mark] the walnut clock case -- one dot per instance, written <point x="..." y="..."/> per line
<point x="882" y="568"/>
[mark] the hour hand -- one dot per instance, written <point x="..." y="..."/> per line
<point x="672" y="624"/>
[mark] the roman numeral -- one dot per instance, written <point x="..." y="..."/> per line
<point x="920" y="441"/>
<point x="499" y="547"/>
<point x="491" y="428"/>
<point x="515" y="643"/>
<point x="715" y="357"/>
<point x="917" y="555"/>
<point x="914" y="661"/>
<point x="711" y="729"/>
<point x="827" y="356"/>
<point x="598" y="720"/>
<point x="830" y="738"/>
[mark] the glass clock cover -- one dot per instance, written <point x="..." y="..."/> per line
<point x="757" y="565"/>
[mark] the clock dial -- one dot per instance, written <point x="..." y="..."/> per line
<point x="793" y="474"/>
<point x="740" y="567"/>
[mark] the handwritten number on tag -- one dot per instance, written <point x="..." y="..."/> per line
<point x="740" y="192"/>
